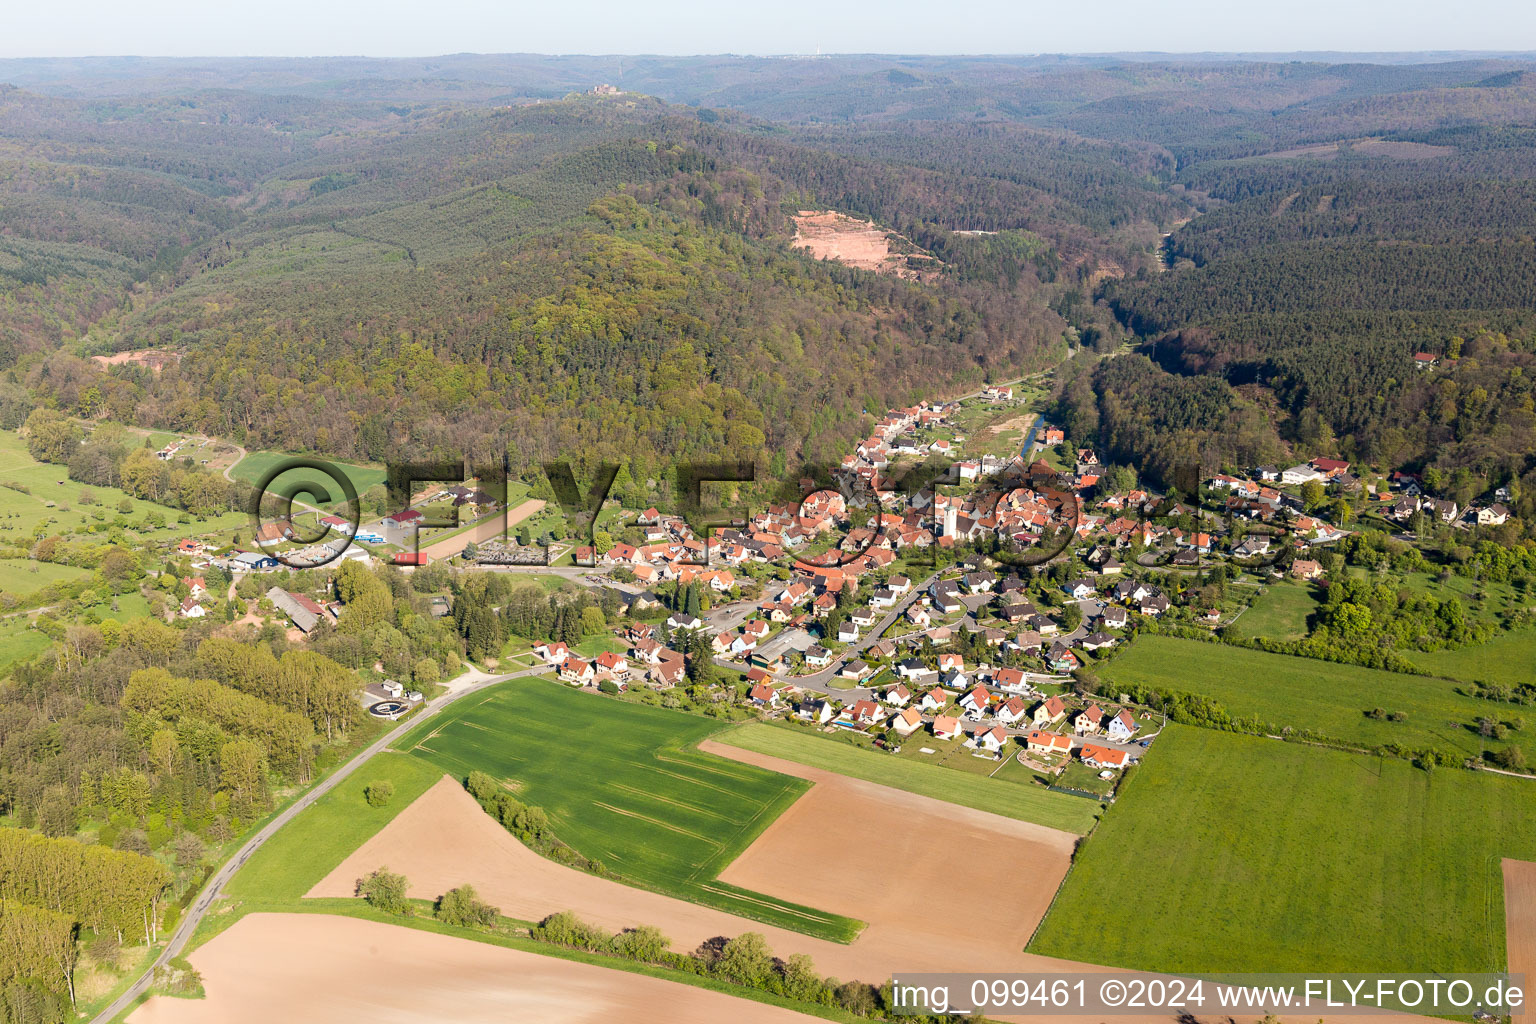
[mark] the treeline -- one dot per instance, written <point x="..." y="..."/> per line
<point x="744" y="960"/>
<point x="529" y="824"/>
<point x="37" y="961"/>
<point x="109" y="891"/>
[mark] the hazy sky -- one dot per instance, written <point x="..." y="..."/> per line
<point x="393" y="28"/>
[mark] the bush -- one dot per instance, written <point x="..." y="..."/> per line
<point x="566" y="929"/>
<point x="464" y="908"/>
<point x="386" y="890"/>
<point x="1510" y="759"/>
<point x="646" y="943"/>
<point x="609" y="687"/>
<point x="379" y="792"/>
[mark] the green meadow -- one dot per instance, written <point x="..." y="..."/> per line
<point x="1009" y="798"/>
<point x="324" y="834"/>
<point x="1280" y="613"/>
<point x="52" y="500"/>
<point x="24" y="575"/>
<point x="625" y="784"/>
<point x="1509" y="658"/>
<point x="1258" y="855"/>
<point x="1320" y="696"/>
<point x="256" y="465"/>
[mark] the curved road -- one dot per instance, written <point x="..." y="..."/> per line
<point x="462" y="686"/>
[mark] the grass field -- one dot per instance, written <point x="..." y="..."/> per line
<point x="20" y="513"/>
<point x="1319" y="696"/>
<point x="1280" y="613"/>
<point x="1257" y="855"/>
<point x="1509" y="658"/>
<point x="256" y="465"/>
<point x="19" y="641"/>
<point x="23" y="575"/>
<point x="319" y="838"/>
<point x="624" y="784"/>
<point x="1026" y="803"/>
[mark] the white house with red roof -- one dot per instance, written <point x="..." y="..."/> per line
<point x="1122" y="727"/>
<point x="552" y="653"/>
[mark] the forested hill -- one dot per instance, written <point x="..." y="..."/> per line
<point x="594" y="278"/>
<point x="1320" y="265"/>
<point x="374" y="257"/>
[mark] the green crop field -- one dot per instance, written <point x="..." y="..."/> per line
<point x="624" y="784"/>
<point x="1009" y="798"/>
<point x="1236" y="853"/>
<point x="1509" y="658"/>
<point x="256" y="465"/>
<point x="1320" y="696"/>
<point x="1280" y="613"/>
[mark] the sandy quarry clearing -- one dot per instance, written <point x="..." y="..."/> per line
<point x="153" y="358"/>
<point x="1520" y="917"/>
<point x="318" y="968"/>
<point x="491" y="528"/>
<point x="829" y="235"/>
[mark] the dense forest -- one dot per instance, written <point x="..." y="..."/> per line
<point x="356" y="264"/>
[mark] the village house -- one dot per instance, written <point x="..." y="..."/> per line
<point x="1040" y="742"/>
<point x="552" y="653"/>
<point x="614" y="665"/>
<point x="1306" y="569"/>
<point x="991" y="740"/>
<point x="858" y="671"/>
<point x="1095" y="756"/>
<point x="1493" y="515"/>
<point x="864" y="712"/>
<point x="1122" y="727"/>
<point x="763" y="696"/>
<point x="1089" y="720"/>
<point x="577" y="670"/>
<point x="817" y="656"/>
<point x="1098" y="641"/>
<point x="947" y="727"/>
<point x="908" y="722"/>
<point x="818" y="711"/>
<point x="976" y="701"/>
<point x="1049" y="711"/>
<point x="1010" y="711"/>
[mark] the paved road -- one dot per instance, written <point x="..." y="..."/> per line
<point x="461" y="686"/>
